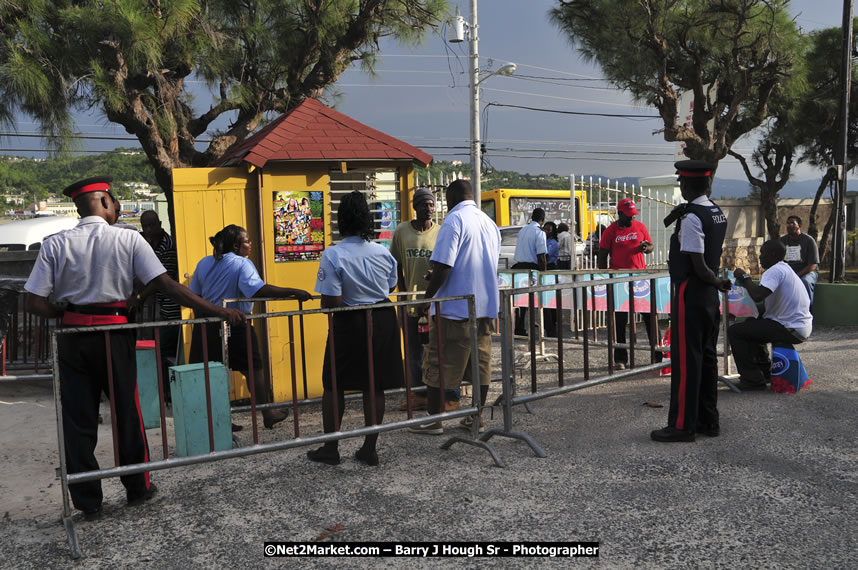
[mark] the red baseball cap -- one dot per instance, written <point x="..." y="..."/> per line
<point x="627" y="206"/>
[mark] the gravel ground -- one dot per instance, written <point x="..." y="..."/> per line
<point x="777" y="489"/>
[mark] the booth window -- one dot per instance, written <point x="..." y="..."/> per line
<point x="381" y="189"/>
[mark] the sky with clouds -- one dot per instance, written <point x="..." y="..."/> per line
<point x="421" y="96"/>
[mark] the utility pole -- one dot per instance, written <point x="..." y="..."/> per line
<point x="476" y="150"/>
<point x="838" y="250"/>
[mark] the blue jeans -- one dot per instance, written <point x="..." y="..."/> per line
<point x="809" y="280"/>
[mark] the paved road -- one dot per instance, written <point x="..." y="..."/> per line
<point x="778" y="489"/>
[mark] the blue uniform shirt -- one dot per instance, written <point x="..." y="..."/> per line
<point x="362" y="272"/>
<point x="232" y="277"/>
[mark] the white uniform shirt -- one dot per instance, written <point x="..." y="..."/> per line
<point x="789" y="303"/>
<point x="469" y="242"/>
<point x="691" y="230"/>
<point x="530" y="243"/>
<point x="93" y="263"/>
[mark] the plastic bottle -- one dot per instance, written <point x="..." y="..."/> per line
<point x="423" y="329"/>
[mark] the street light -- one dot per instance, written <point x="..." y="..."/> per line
<point x="460" y="26"/>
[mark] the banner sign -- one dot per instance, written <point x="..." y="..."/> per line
<point x="739" y="302"/>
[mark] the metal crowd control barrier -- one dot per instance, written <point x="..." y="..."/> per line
<point x="168" y="462"/>
<point x="26" y="346"/>
<point x="582" y="293"/>
<point x="582" y="290"/>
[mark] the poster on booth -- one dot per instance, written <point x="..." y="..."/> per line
<point x="386" y="220"/>
<point x="298" y="226"/>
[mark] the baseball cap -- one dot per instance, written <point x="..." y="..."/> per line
<point x="627" y="206"/>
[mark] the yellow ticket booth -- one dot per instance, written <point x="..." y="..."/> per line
<point x="283" y="185"/>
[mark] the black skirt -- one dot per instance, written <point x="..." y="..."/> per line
<point x="236" y="345"/>
<point x="352" y="351"/>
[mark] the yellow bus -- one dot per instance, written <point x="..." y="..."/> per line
<point x="513" y="207"/>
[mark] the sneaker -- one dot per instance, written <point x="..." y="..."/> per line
<point x="418" y="402"/>
<point x="435" y="428"/>
<point x="451" y="405"/>
<point x="619" y="366"/>
<point x="468" y="421"/>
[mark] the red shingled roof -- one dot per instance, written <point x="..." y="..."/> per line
<point x="313" y="131"/>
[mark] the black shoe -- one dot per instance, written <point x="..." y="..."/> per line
<point x="367" y="457"/>
<point x="236" y="427"/>
<point x="274" y="417"/>
<point x="750" y="386"/>
<point x="671" y="434"/>
<point x="324" y="455"/>
<point x="93" y="514"/>
<point x="710" y="430"/>
<point x="143" y="497"/>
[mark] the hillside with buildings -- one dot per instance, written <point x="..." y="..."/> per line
<point x="33" y="186"/>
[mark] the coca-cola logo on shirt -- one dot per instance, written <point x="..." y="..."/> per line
<point x="631" y="236"/>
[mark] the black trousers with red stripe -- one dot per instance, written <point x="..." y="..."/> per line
<point x="83" y="377"/>
<point x="694" y="318"/>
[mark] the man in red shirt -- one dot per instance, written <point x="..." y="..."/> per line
<point x="625" y="242"/>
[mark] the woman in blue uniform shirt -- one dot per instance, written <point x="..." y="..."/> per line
<point x="358" y="272"/>
<point x="229" y="274"/>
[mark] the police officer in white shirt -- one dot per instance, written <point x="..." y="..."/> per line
<point x="91" y="269"/>
<point x="786" y="320"/>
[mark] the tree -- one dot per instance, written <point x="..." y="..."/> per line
<point x="819" y="113"/>
<point x="135" y="61"/>
<point x="774" y="153"/>
<point x="731" y="54"/>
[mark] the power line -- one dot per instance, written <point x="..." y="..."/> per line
<point x="82" y="136"/>
<point x="580" y="158"/>
<point x="554" y="82"/>
<point x="626" y="116"/>
<point x="556" y="78"/>
<point x="557" y="97"/>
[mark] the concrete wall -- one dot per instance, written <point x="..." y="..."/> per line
<point x="745" y="220"/>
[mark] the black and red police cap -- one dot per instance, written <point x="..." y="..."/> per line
<point x="694" y="168"/>
<point x="94" y="184"/>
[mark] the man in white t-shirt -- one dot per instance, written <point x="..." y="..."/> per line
<point x="786" y="320"/>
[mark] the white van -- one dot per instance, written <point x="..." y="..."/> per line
<point x="27" y="235"/>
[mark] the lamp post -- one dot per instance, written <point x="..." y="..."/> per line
<point x="474" y="80"/>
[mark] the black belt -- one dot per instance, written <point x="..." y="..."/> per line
<point x="97" y="310"/>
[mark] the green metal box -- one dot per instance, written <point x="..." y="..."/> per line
<point x="190" y="420"/>
<point x="147" y="384"/>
